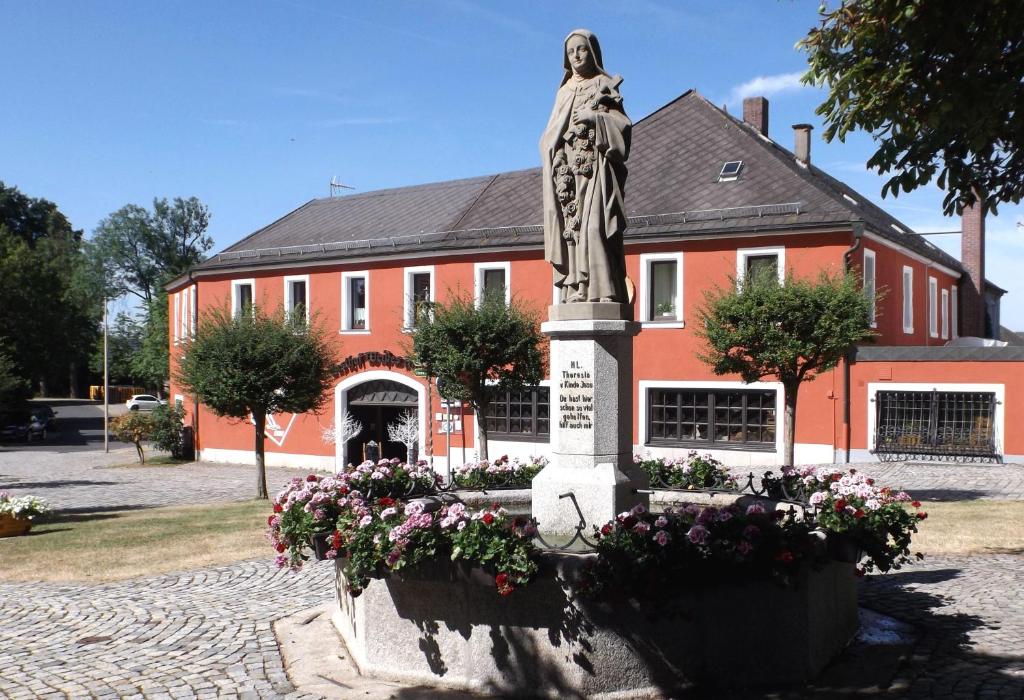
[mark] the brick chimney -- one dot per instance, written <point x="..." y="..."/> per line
<point x="802" y="147"/>
<point x="972" y="284"/>
<point x="755" y="113"/>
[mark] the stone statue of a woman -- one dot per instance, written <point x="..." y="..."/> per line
<point x="583" y="151"/>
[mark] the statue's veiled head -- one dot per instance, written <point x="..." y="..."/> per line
<point x="582" y="55"/>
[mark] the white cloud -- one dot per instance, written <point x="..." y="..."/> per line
<point x="766" y="86"/>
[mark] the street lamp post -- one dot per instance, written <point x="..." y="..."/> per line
<point x="106" y="383"/>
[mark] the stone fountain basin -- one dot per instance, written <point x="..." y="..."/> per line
<point x="539" y="642"/>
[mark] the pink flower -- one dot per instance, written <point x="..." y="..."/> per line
<point x="745" y="547"/>
<point x="698" y="534"/>
<point x="662" y="521"/>
<point x="755" y="509"/>
<point x="365" y="520"/>
<point x="661" y="537"/>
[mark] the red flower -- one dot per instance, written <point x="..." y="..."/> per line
<point x="495" y="506"/>
<point x="311" y="477"/>
<point x="916" y="504"/>
<point x="488" y="518"/>
<point x="343" y="490"/>
<point x="270" y="520"/>
<point x="836" y="477"/>
<point x="386" y="502"/>
<point x="839" y="505"/>
<point x="784" y="556"/>
<point x="922" y="515"/>
<point x="871" y="482"/>
<point x="502" y="583"/>
<point x="280" y="547"/>
<point x="858" y="514"/>
<point x="335" y="540"/>
<point x="278" y="508"/>
<point x="606" y="529"/>
<point x="628" y="522"/>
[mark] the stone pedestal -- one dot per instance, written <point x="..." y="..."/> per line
<point x="591" y="418"/>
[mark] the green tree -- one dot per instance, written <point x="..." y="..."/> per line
<point x="14" y="389"/>
<point x="124" y="338"/>
<point x="793" y="331"/>
<point x="480" y="351"/>
<point x="51" y="309"/>
<point x="939" y="84"/>
<point x="168" y="422"/>
<point x="256" y="364"/>
<point x="133" y="427"/>
<point x="142" y="249"/>
<point x="139" y="251"/>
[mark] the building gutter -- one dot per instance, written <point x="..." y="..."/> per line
<point x="858" y="236"/>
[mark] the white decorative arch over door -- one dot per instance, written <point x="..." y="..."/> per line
<point x="341" y="406"/>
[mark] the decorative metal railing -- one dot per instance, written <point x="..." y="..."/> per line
<point x="950" y="425"/>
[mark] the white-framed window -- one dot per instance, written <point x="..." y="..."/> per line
<point x="661" y="290"/>
<point x="185" y="314"/>
<point x="355" y="302"/>
<point x="243" y="296"/>
<point x="753" y="260"/>
<point x="933" y="307"/>
<point x="954" y="312"/>
<point x="177" y="317"/>
<point x="870" y="286"/>
<point x="419" y="294"/>
<point x="908" y="299"/>
<point x="296" y="297"/>
<point x="945" y="313"/>
<point x="492" y="278"/>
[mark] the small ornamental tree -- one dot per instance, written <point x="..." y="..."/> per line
<point x="480" y="351"/>
<point x="793" y="331"/>
<point x="133" y="427"/>
<point x="255" y="364"/>
<point x="168" y="422"/>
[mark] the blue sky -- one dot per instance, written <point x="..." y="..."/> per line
<point x="254" y="106"/>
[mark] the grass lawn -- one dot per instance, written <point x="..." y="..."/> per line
<point x="971" y="527"/>
<point x="115" y="546"/>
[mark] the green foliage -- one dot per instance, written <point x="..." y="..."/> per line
<point x="133" y="427"/>
<point x="14" y="389"/>
<point x="140" y="249"/>
<point x="150" y="361"/>
<point x="938" y="84"/>
<point x="51" y="304"/>
<point x="691" y="472"/>
<point x="124" y="338"/>
<point x="256" y="363"/>
<point x="480" y="351"/>
<point x="793" y="331"/>
<point x="167" y="425"/>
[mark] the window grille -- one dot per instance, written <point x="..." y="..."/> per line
<point x="520" y="416"/>
<point x="702" y="417"/>
<point x="935" y="423"/>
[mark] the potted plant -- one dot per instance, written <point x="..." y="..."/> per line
<point x="16" y="514"/>
<point x="666" y="310"/>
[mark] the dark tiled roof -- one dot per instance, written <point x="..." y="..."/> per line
<point x="672" y="189"/>
<point x="938" y="353"/>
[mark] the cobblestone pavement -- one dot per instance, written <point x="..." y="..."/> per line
<point x="96" y="481"/>
<point x="970" y="611"/>
<point x="200" y="634"/>
<point x="207" y="633"/>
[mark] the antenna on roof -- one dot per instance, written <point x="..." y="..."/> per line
<point x="337" y="185"/>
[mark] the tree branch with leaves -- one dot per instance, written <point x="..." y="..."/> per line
<point x="792" y="332"/>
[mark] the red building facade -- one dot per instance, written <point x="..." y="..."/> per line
<point x="710" y="198"/>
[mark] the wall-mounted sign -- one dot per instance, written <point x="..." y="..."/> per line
<point x="355" y="363"/>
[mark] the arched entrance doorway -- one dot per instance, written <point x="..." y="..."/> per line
<point x="376" y="399"/>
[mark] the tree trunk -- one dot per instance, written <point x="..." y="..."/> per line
<point x="73" y="380"/>
<point x="261" y="466"/>
<point x="481" y="429"/>
<point x="789" y="434"/>
<point x="142" y="456"/>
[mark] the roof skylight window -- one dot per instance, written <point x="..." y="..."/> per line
<point x="730" y="171"/>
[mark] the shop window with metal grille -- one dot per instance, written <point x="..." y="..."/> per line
<point x="721" y="418"/>
<point x="939" y="423"/>
<point x="521" y="415"/>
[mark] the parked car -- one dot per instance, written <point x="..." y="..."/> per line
<point x="45" y="415"/>
<point x="21" y="426"/>
<point x="143" y="402"/>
